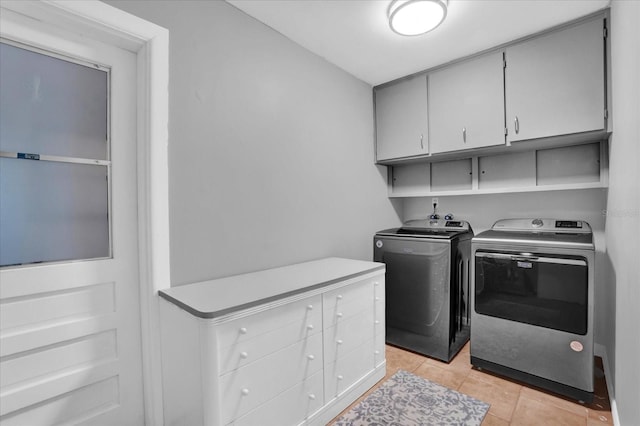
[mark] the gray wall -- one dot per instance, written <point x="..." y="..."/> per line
<point x="270" y="147"/>
<point x="623" y="208"/>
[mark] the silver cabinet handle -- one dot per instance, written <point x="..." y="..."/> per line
<point x="464" y="134"/>
<point x="516" y="122"/>
<point x="421" y="141"/>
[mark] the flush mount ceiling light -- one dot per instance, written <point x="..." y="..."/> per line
<point x="415" y="17"/>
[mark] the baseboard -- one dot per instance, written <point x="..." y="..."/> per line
<point x="601" y="351"/>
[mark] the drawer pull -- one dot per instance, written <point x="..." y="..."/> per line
<point x="339" y="341"/>
<point x="376" y="352"/>
<point x="376" y="322"/>
<point x="376" y="283"/>
<point x="309" y="307"/>
<point x="244" y="355"/>
<point x="310" y="327"/>
<point x="311" y="357"/>
<point x="339" y="297"/>
<point x="377" y="298"/>
<point x="339" y="314"/>
<point x="245" y="392"/>
<point x="312" y="396"/>
<point x="340" y="377"/>
<point x="243" y="330"/>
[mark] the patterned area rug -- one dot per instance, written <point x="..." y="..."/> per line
<point x="406" y="399"/>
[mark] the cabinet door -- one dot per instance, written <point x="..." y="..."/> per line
<point x="466" y="105"/>
<point x="555" y="84"/>
<point x="401" y="119"/>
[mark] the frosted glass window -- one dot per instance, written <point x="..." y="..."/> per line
<point x="54" y="159"/>
<point x="51" y="106"/>
<point x="53" y="211"/>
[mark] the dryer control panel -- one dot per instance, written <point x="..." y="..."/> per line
<point x="542" y="225"/>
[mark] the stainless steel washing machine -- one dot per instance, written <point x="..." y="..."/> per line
<point x="427" y="285"/>
<point x="532" y="303"/>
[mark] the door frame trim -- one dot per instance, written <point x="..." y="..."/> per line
<point x="150" y="43"/>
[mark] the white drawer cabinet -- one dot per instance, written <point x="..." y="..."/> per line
<point x="288" y="346"/>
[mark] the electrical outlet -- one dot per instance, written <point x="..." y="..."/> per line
<point x="434" y="201"/>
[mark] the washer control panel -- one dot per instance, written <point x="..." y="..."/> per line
<point x="437" y="224"/>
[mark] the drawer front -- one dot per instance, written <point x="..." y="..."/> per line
<point x="379" y="305"/>
<point x="379" y="349"/>
<point x="245" y="351"/>
<point x="379" y="294"/>
<point x="290" y="407"/>
<point x="247" y="387"/>
<point x="306" y="311"/>
<point x="341" y="303"/>
<point x="347" y="335"/>
<point x="347" y="370"/>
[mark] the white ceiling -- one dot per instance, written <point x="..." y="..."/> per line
<point x="355" y="36"/>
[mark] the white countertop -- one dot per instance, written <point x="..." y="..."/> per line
<point x="214" y="298"/>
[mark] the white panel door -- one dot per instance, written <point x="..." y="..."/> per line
<point x="70" y="347"/>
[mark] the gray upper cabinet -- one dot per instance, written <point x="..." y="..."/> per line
<point x="466" y="105"/>
<point x="401" y="119"/>
<point x="555" y="84"/>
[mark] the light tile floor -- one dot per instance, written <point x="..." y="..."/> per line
<point x="512" y="402"/>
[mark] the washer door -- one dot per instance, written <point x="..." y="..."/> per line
<point x="417" y="286"/>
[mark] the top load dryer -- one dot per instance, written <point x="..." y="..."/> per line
<point x="427" y="285"/>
